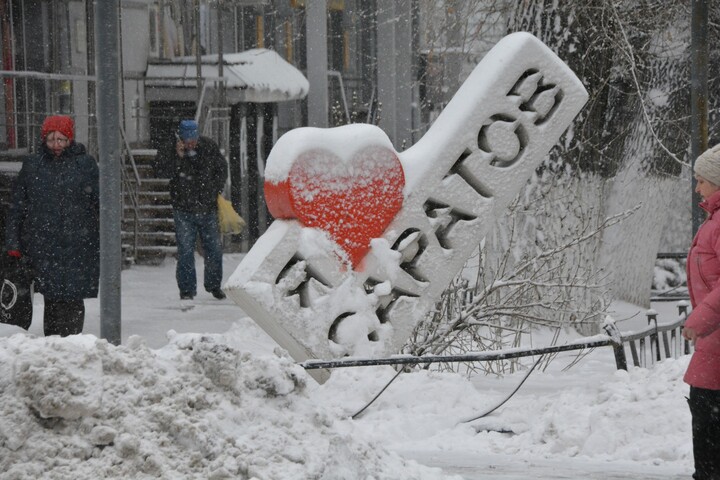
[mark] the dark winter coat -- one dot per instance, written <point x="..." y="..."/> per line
<point x="195" y="182"/>
<point x="703" y="278"/>
<point x="53" y="220"/>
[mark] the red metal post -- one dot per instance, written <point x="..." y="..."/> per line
<point x="8" y="82"/>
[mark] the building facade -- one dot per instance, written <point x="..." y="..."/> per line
<point x="342" y="61"/>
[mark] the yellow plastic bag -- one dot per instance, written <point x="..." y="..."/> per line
<point x="228" y="218"/>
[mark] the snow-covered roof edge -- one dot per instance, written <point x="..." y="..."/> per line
<point x="257" y="75"/>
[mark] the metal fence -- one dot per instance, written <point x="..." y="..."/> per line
<point x="645" y="348"/>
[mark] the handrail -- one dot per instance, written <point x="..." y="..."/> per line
<point x="651" y="329"/>
<point x="209" y="118"/>
<point x="201" y="101"/>
<point x="599" y="341"/>
<point x="217" y="126"/>
<point x="335" y="73"/>
<point x="135" y="205"/>
<point x="132" y="190"/>
<point x="130" y="155"/>
<point x="207" y="85"/>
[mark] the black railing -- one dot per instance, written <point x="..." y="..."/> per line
<point x="673" y="345"/>
<point x="644" y="346"/>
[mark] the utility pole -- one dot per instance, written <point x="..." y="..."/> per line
<point x="222" y="99"/>
<point x="6" y="63"/>
<point x="198" y="53"/>
<point x="91" y="86"/>
<point x="698" y="97"/>
<point x="394" y="33"/>
<point x="161" y="27"/>
<point x="108" y="123"/>
<point x="317" y="63"/>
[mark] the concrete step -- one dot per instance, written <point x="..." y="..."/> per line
<point x="148" y="228"/>
<point x="154" y="194"/>
<point x="149" y="192"/>
<point x="146" y="168"/>
<point x="153" y="184"/>
<point x="160" y="223"/>
<point x="156" y="234"/>
<point x="153" y="248"/>
<point x="149" y="198"/>
<point x="150" y="239"/>
<point x="143" y="152"/>
<point x="151" y="209"/>
<point x="155" y="181"/>
<point x="143" y="156"/>
<point x="148" y="255"/>
<point x="145" y="173"/>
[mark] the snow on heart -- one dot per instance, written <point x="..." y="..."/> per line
<point x="346" y="181"/>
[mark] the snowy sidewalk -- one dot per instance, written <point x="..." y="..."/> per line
<point x="498" y="467"/>
<point x="151" y="305"/>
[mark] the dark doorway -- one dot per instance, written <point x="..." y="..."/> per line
<point x="164" y="120"/>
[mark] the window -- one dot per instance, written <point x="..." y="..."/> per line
<point x="154" y="32"/>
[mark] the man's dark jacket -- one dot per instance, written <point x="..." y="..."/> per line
<point x="195" y="182"/>
<point x="54" y="221"/>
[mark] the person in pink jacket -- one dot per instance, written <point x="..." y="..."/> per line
<point x="703" y="324"/>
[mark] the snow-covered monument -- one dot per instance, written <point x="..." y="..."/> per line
<point x="367" y="239"/>
<point x="395" y="64"/>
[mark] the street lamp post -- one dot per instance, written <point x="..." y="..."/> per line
<point x="698" y="96"/>
<point x="108" y="120"/>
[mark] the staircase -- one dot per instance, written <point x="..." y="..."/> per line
<point x="148" y="230"/>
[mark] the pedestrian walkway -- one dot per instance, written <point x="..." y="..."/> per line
<point x="151" y="305"/>
<point x="502" y="467"/>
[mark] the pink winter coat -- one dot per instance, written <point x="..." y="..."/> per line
<point x="703" y="278"/>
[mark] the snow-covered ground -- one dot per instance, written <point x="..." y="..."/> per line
<point x="206" y="394"/>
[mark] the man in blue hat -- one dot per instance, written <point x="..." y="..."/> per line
<point x="197" y="173"/>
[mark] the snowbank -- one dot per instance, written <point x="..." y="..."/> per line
<point x="197" y="408"/>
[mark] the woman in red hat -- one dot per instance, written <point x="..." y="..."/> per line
<point x="53" y="223"/>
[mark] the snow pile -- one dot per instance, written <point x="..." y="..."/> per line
<point x="598" y="413"/>
<point x="670" y="276"/>
<point x="199" y="407"/>
<point x="618" y="419"/>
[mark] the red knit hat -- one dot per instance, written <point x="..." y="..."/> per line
<point x="58" y="123"/>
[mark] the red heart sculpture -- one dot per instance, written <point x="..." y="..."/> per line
<point x="353" y="201"/>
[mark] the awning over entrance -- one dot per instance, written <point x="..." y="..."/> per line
<point x="258" y="75"/>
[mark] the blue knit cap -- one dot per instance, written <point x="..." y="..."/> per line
<point x="188" y="130"/>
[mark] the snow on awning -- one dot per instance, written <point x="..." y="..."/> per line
<point x="258" y="75"/>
